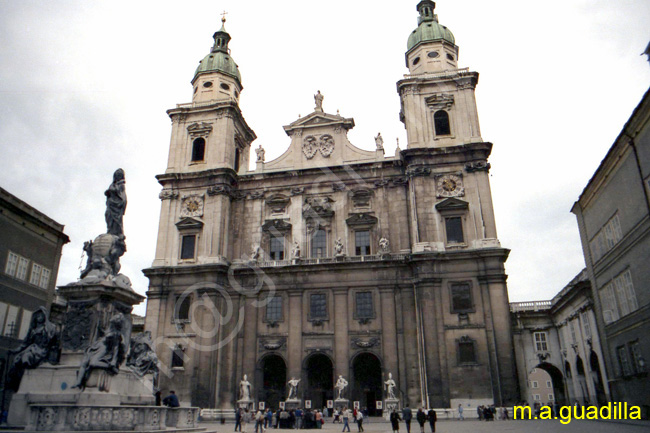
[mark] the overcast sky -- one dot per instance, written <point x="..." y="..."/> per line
<point x="84" y="86"/>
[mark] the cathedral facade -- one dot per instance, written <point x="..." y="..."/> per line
<point x="332" y="260"/>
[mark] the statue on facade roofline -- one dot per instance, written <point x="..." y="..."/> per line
<point x="379" y="141"/>
<point x="318" y="98"/>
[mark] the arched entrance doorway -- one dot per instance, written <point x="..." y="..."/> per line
<point x="597" y="378"/>
<point x="273" y="372"/>
<point x="558" y="381"/>
<point x="320" y="380"/>
<point x="366" y="382"/>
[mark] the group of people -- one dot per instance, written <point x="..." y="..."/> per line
<point x="488" y="413"/>
<point x="346" y="415"/>
<point x="421" y="416"/>
<point x="282" y="418"/>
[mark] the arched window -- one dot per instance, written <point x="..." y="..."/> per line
<point x="198" y="149"/>
<point x="441" y="122"/>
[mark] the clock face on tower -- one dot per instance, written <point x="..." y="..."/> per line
<point x="450" y="185"/>
<point x="192" y="206"/>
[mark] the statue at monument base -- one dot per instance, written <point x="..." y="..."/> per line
<point x="91" y="388"/>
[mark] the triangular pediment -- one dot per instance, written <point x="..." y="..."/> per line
<point x="452" y="204"/>
<point x="319" y="119"/>
<point x="189" y="223"/>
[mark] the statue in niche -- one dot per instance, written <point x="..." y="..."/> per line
<point x="40" y="345"/>
<point x="340" y="386"/>
<point x="379" y="141"/>
<point x="390" y="387"/>
<point x="260" y="153"/>
<point x="338" y="248"/>
<point x="296" y="250"/>
<point x="318" y="98"/>
<point x="106" y="353"/>
<point x="116" y="204"/>
<point x="384" y="246"/>
<point x="293" y="389"/>
<point x="142" y="358"/>
<point x="245" y="389"/>
<point x="255" y="253"/>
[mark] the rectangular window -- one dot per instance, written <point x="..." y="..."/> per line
<point x="319" y="244"/>
<point x="45" y="278"/>
<point x="35" y="278"/>
<point x="454" y="227"/>
<point x="540" y="342"/>
<point x="11" y="325"/>
<point x="21" y="271"/>
<point x="274" y="309"/>
<point x="466" y="352"/>
<point x="188" y="246"/>
<point x="12" y="264"/>
<point x="178" y="357"/>
<point x="535" y="384"/>
<point x="637" y="360"/>
<point x="277" y="248"/>
<point x="3" y="315"/>
<point x="549" y="384"/>
<point x="318" y="306"/>
<point x="623" y="361"/>
<point x="626" y="282"/>
<point x="608" y="304"/>
<point x="364" y="305"/>
<point x="24" y="324"/>
<point x="362" y="242"/>
<point x="550" y="397"/>
<point x="461" y="298"/>
<point x="536" y="397"/>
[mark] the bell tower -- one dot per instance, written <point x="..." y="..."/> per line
<point x="210" y="132"/>
<point x="209" y="148"/>
<point x="437" y="98"/>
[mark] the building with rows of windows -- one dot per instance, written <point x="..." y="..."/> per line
<point x="30" y="251"/>
<point x="613" y="215"/>
<point x="332" y="260"/>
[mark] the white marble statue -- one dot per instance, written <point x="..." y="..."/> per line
<point x="245" y="389"/>
<point x="260" y="153"/>
<point x="255" y="252"/>
<point x="379" y="141"/>
<point x="296" y="250"/>
<point x="338" y="248"/>
<point x="318" y="99"/>
<point x="293" y="388"/>
<point x="340" y="385"/>
<point x="384" y="245"/>
<point x="390" y="387"/>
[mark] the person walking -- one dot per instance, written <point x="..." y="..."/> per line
<point x="238" y="413"/>
<point x="360" y="420"/>
<point x="298" y="415"/>
<point x="319" y="419"/>
<point x="433" y="417"/>
<point x="346" y="417"/>
<point x="421" y="418"/>
<point x="460" y="412"/>
<point x="407" y="416"/>
<point x="245" y="420"/>
<point x="259" y="422"/>
<point x="394" y="421"/>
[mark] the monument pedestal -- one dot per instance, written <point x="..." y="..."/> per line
<point x="340" y="403"/>
<point x="390" y="404"/>
<point x="246" y="403"/>
<point x="292" y="404"/>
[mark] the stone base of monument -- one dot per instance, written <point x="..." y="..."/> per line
<point x="292" y="404"/>
<point x="390" y="404"/>
<point x="52" y="385"/>
<point x="246" y="404"/>
<point x="341" y="403"/>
